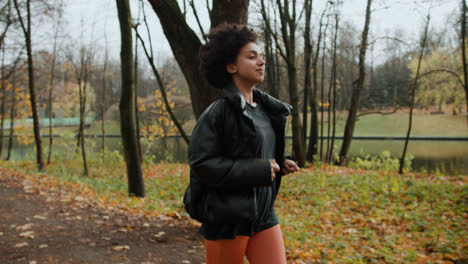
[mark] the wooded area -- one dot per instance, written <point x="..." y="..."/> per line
<point x="317" y="60"/>
<point x="379" y="127"/>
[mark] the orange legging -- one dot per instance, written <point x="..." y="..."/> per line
<point x="265" y="247"/>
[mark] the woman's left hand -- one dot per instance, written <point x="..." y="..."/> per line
<point x="290" y="166"/>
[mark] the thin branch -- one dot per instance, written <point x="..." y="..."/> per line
<point x="163" y="90"/>
<point x="444" y="70"/>
<point x="378" y="112"/>
<point x="192" y="4"/>
<point x="147" y="29"/>
<point x="388" y="38"/>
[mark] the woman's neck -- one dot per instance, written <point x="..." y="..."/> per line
<point x="246" y="90"/>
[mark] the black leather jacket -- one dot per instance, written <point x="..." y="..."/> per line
<point x="223" y="162"/>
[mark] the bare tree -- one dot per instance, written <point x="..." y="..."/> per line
<point x="357" y="87"/>
<point x="13" y="73"/>
<point x="272" y="72"/>
<point x="413" y="91"/>
<point x="82" y="74"/>
<point x="185" y="43"/>
<point x="333" y="83"/>
<point x="312" y="148"/>
<point x="289" y="19"/>
<point x="103" y="104"/>
<point x="322" y="94"/>
<point x="26" y="27"/>
<point x="463" y="50"/>
<point x="308" y="50"/>
<point x="52" y="73"/>
<point x="8" y="21"/>
<point x="12" y="113"/>
<point x="150" y="56"/>
<point x="127" y="103"/>
<point x="2" y="104"/>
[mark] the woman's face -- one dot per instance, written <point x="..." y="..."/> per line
<point x="249" y="66"/>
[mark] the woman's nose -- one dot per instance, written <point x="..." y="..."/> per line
<point x="261" y="61"/>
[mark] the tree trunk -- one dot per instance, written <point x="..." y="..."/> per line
<point x="51" y="116"/>
<point x="103" y="105"/>
<point x="307" y="80"/>
<point x="229" y="11"/>
<point x="82" y="90"/>
<point x="288" y="30"/>
<point x="271" y="63"/>
<point x="185" y="43"/>
<point x="329" y="144"/>
<point x="2" y="107"/>
<point x="322" y="97"/>
<point x="52" y="71"/>
<point x="314" y="132"/>
<point x="357" y="86"/>
<point x="12" y="115"/>
<point x="137" y="119"/>
<point x="298" y="138"/>
<point x="463" y="48"/>
<point x="127" y="103"/>
<point x="32" y="92"/>
<point x="412" y="95"/>
<point x="8" y="23"/>
<point x="333" y="95"/>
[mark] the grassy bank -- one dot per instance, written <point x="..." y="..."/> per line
<point x="328" y="214"/>
<point x="424" y="124"/>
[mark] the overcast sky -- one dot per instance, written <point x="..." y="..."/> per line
<point x="95" y="17"/>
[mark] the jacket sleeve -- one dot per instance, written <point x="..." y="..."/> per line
<point x="213" y="167"/>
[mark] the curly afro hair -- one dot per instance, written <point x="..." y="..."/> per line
<point x="224" y="43"/>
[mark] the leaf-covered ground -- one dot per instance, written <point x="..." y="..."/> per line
<point x="328" y="214"/>
<point x="43" y="220"/>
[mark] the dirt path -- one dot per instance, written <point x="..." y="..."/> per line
<point x="37" y="226"/>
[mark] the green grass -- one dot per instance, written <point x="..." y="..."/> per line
<point x="397" y="124"/>
<point x="328" y="214"/>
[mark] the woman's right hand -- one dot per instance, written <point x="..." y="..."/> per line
<point x="274" y="168"/>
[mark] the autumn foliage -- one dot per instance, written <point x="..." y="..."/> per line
<point x="328" y="214"/>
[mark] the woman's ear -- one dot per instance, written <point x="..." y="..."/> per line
<point x="231" y="68"/>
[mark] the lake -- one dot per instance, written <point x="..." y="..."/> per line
<point x="447" y="157"/>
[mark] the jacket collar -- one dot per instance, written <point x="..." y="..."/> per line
<point x="272" y="105"/>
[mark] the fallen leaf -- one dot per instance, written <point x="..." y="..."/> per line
<point x="351" y="231"/>
<point x="40" y="217"/>
<point x="43" y="246"/>
<point x="160" y="234"/>
<point x="24" y="227"/>
<point x="28" y="234"/>
<point x="21" y="244"/>
<point x="121" y="248"/>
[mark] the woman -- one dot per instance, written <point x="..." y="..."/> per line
<point x="236" y="154"/>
